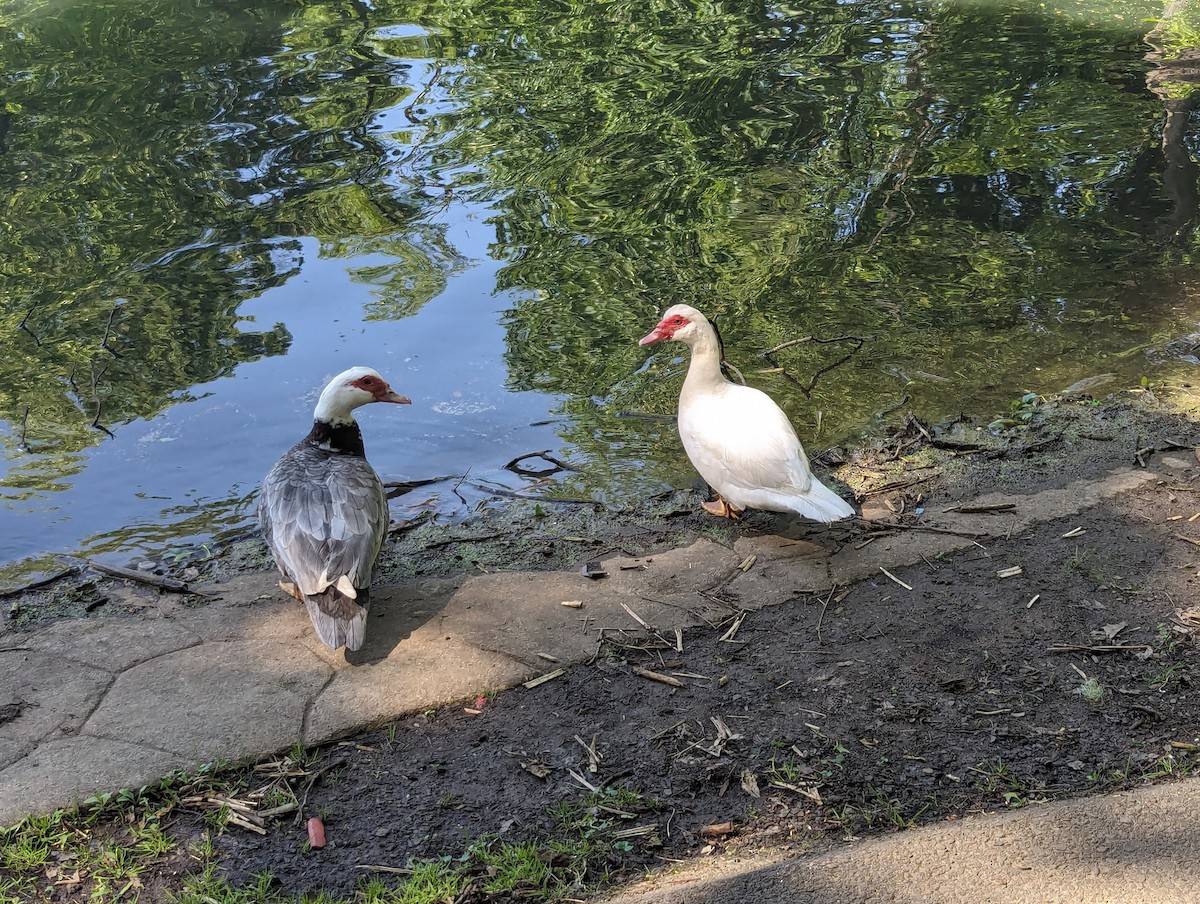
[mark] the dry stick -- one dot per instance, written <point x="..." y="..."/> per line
<point x="1096" y="648"/>
<point x="824" y="606"/>
<point x="896" y="485"/>
<point x="41" y="582"/>
<point x="583" y="781"/>
<point x="420" y="98"/>
<point x="655" y="676"/>
<point x="894" y="578"/>
<point x="888" y="525"/>
<point x="312" y="781"/>
<point x="729" y="366"/>
<point x="982" y="508"/>
<point x="141" y="577"/>
<point x="593" y="756"/>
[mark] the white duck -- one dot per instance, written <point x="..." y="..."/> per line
<point x="324" y="513"/>
<point x="739" y="440"/>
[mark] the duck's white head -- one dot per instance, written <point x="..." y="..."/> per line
<point x="681" y="322"/>
<point x="351" y="389"/>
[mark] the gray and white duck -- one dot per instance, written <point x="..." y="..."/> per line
<point x="324" y="512"/>
<point x="739" y="440"/>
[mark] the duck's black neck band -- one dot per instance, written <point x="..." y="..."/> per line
<point x="342" y="438"/>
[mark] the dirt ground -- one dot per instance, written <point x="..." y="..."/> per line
<point x="859" y="710"/>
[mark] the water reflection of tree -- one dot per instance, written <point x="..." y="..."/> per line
<point x="964" y="181"/>
<point x="160" y="161"/>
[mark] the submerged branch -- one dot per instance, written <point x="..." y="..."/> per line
<point x="859" y="342"/>
<point x="514" y="464"/>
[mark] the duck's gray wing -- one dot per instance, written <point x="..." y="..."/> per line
<point x="324" y="517"/>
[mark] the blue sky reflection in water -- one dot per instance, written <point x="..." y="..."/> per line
<point x="208" y="211"/>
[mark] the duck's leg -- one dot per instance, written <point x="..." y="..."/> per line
<point x="291" y="590"/>
<point x="721" y="509"/>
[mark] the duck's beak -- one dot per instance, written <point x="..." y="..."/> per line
<point x="658" y="334"/>
<point x="392" y="396"/>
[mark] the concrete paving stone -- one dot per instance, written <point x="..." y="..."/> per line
<point x="396" y="611"/>
<point x="428" y="669"/>
<point x="699" y="565"/>
<point x="112" y="644"/>
<point x="219" y="700"/>
<point x="1136" y="847"/>
<point x="244" y="607"/>
<point x="60" y="694"/>
<point x="781" y="569"/>
<point x="69" y="770"/>
<point x="12" y="750"/>
<point x="521" y="615"/>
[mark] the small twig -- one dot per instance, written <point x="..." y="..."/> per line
<point x="895" y="485"/>
<point x="728" y="636"/>
<point x="982" y="508"/>
<point x="542" y="679"/>
<point x="894" y="578"/>
<point x="803" y="339"/>
<point x="96" y="398"/>
<point x="459" y="484"/>
<point x="583" y="781"/>
<point x="640" y="415"/>
<point x="142" y="577"/>
<point x="1097" y="648"/>
<point x="41" y="582"/>
<point x="421" y="95"/>
<point x="656" y="676"/>
<point x="593" y="756"/>
<point x="888" y="525"/>
<point x="824" y="606"/>
<point x="312" y="781"/>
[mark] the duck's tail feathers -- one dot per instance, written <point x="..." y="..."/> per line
<point x="822" y="504"/>
<point x="338" y="619"/>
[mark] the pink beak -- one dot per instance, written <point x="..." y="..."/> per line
<point x="658" y="334"/>
<point x="393" y="396"/>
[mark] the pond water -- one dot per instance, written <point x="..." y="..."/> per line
<point x="208" y="208"/>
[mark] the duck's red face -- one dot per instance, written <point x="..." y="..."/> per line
<point x="379" y="388"/>
<point x="666" y="329"/>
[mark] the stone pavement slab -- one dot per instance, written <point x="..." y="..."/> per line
<point x="1135" y="847"/>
